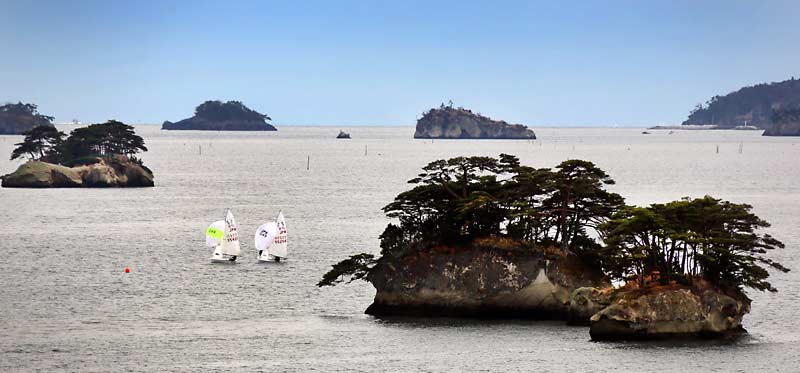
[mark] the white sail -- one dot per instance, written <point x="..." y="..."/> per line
<point x="214" y="233"/>
<point x="265" y="234"/>
<point x="280" y="243"/>
<point x="230" y="241"/>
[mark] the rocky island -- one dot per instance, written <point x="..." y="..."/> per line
<point x="447" y="122"/>
<point x="97" y="156"/>
<point x="676" y="311"/>
<point x="748" y="107"/>
<point x="489" y="237"/>
<point x="223" y="116"/>
<point x="18" y="118"/>
<point x="786" y="122"/>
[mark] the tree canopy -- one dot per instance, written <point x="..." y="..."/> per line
<point x="111" y="137"/>
<point x="102" y="139"/>
<point x="220" y="111"/>
<point x="460" y="199"/>
<point x="682" y="240"/>
<point x="39" y="142"/>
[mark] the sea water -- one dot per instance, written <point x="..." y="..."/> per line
<point x="66" y="303"/>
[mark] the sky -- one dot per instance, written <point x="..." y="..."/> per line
<point x="539" y="63"/>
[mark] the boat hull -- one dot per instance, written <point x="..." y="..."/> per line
<point x="270" y="259"/>
<point x="223" y="258"/>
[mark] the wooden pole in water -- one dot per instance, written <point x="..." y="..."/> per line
<point x="741" y="145"/>
<point x="717" y="149"/>
<point x="200" y="149"/>
<point x="365" y="150"/>
<point x="308" y="162"/>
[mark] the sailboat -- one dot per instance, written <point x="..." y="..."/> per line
<point x="223" y="236"/>
<point x="271" y="240"/>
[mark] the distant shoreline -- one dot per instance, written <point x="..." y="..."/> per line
<point x="693" y="127"/>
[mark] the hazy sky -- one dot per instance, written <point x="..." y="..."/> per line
<point x="382" y="62"/>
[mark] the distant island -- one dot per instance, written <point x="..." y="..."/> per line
<point x="223" y="116"/>
<point x="749" y="106"/>
<point x="490" y="237"/>
<point x="343" y="135"/>
<point x="96" y="156"/>
<point x="447" y="122"/>
<point x="785" y="122"/>
<point x="18" y="118"/>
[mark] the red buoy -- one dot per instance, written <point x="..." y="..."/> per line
<point x="127" y="270"/>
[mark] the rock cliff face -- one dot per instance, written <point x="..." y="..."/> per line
<point x="585" y="302"/>
<point x="786" y="123"/>
<point x="675" y="312"/>
<point x="107" y="172"/>
<point x="502" y="284"/>
<point x="477" y="283"/>
<point x="458" y="123"/>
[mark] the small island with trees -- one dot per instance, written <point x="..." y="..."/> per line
<point x="99" y="155"/>
<point x="223" y="116"/>
<point x="447" y="122"/>
<point x="490" y="237"/>
<point x="18" y="118"/>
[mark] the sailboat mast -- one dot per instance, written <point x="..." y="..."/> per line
<point x="225" y="227"/>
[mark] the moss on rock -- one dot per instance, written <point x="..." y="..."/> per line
<point x="670" y="312"/>
<point x="117" y="171"/>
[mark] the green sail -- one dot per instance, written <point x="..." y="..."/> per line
<point x="214" y="232"/>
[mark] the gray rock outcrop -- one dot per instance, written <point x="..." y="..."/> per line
<point x="481" y="283"/>
<point x="585" y="302"/>
<point x="675" y="312"/>
<point x="36" y="174"/>
<point x="111" y="172"/>
<point x="447" y="122"/>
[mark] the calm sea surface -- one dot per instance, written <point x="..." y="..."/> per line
<point x="67" y="305"/>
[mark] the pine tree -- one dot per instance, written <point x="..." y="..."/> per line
<point x="39" y="143"/>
